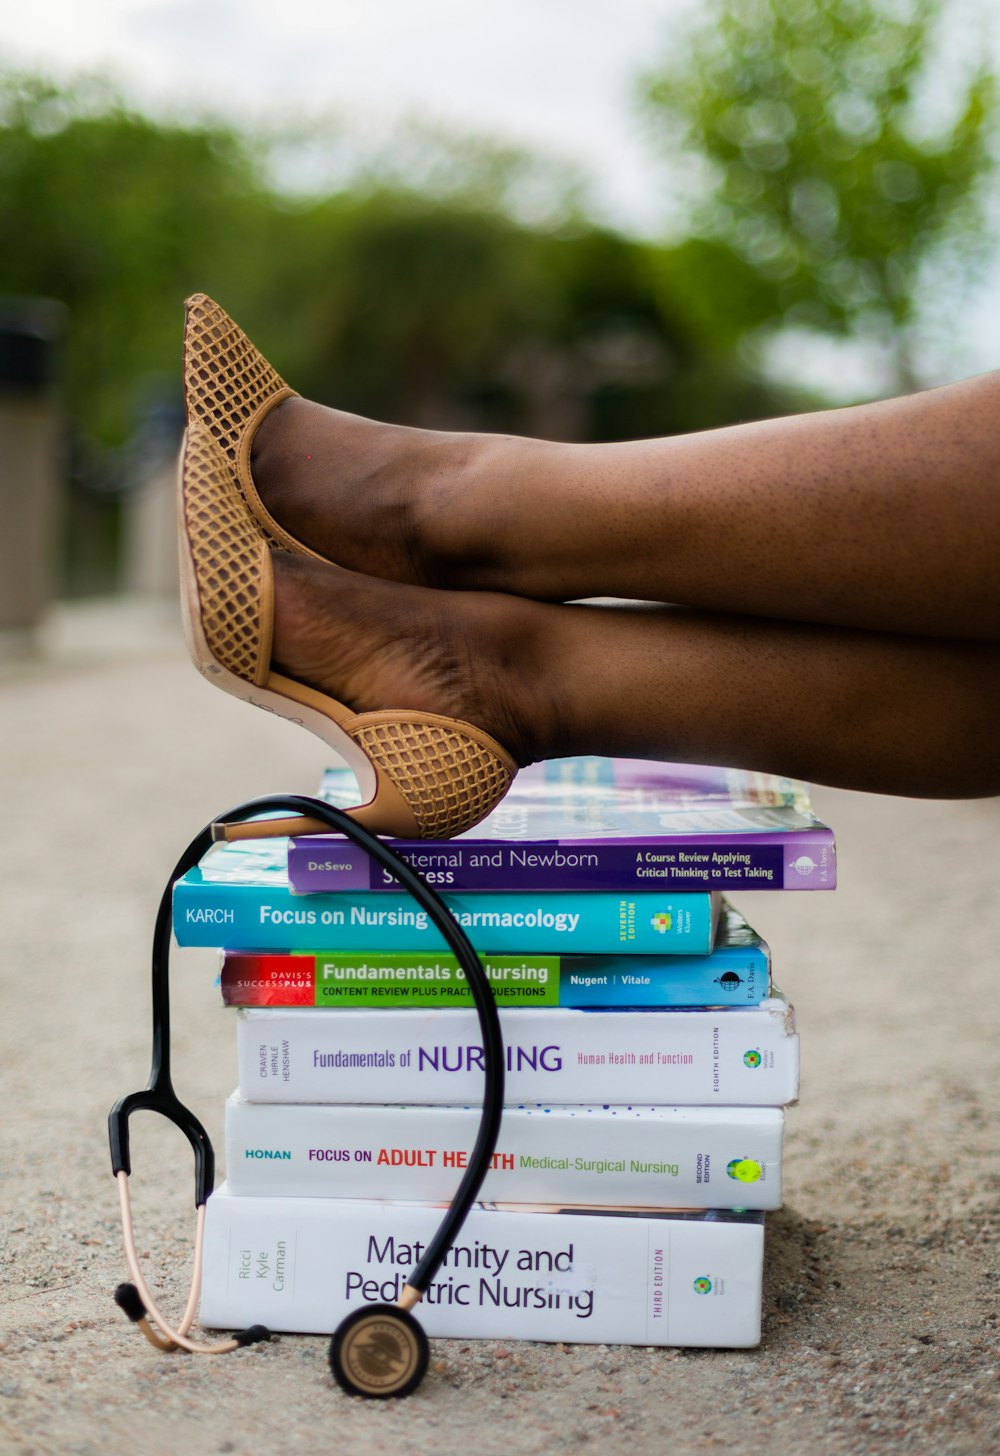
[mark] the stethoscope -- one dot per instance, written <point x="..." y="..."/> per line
<point x="379" y="1350"/>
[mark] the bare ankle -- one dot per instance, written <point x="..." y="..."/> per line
<point x="373" y="645"/>
<point x="431" y="508"/>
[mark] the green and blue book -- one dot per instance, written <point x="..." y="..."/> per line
<point x="735" y="973"/>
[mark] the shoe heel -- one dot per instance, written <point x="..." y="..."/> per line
<point x="432" y="781"/>
<point x="444" y="774"/>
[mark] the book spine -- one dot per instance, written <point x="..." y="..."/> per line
<point x="650" y="1158"/>
<point x="738" y="1058"/>
<point x="733" y="976"/>
<point x="254" y="917"/>
<point x="303" y="1264"/>
<point x="798" y="860"/>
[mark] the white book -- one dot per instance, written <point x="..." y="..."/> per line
<point x="302" y="1264"/>
<point x="730" y="1057"/>
<point x="651" y="1157"/>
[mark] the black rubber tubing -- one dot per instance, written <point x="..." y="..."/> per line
<point x="159" y="1095"/>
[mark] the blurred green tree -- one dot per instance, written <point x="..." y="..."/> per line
<point x="118" y="216"/>
<point x="400" y="306"/>
<point x="829" y="162"/>
<point x="427" y="302"/>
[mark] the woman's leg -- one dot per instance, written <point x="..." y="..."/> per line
<point x="865" y="710"/>
<point x="883" y="516"/>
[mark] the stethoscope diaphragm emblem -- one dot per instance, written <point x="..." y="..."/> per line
<point x="379" y="1351"/>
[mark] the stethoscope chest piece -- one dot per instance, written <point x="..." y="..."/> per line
<point x="378" y="1352"/>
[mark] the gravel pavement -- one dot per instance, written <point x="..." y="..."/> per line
<point x="883" y="1283"/>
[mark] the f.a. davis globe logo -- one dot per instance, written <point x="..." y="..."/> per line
<point x="752" y="1058"/>
<point x="703" y="1285"/>
<point x="804" y="865"/>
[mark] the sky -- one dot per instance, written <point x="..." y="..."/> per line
<point x="556" y="76"/>
<point x="551" y="74"/>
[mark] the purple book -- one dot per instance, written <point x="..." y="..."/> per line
<point x="620" y="825"/>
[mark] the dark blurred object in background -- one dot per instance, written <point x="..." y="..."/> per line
<point x="31" y="457"/>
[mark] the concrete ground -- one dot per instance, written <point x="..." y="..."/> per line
<point x="883" y="1288"/>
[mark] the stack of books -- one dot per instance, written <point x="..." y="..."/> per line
<point x="648" y="1061"/>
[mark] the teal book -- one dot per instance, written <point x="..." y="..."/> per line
<point x="239" y="898"/>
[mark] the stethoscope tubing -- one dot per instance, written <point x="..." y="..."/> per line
<point x="159" y="1096"/>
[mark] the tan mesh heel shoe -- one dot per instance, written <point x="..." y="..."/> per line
<point x="421" y="775"/>
<point x="231" y="389"/>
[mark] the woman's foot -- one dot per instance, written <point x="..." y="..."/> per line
<point x="374" y="644"/>
<point x="426" y="507"/>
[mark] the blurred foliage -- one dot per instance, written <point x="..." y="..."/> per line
<point x="823" y="173"/>
<point x="327" y="153"/>
<point x="115" y="215"/>
<point x="429" y="303"/>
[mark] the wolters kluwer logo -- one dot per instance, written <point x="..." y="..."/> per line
<point x="752" y="1058"/>
<point x="662" y="921"/>
<point x="744" y="1170"/>
<point x="703" y="1285"/>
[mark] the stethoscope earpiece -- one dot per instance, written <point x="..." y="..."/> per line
<point x="129" y="1300"/>
<point x="377" y="1351"/>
